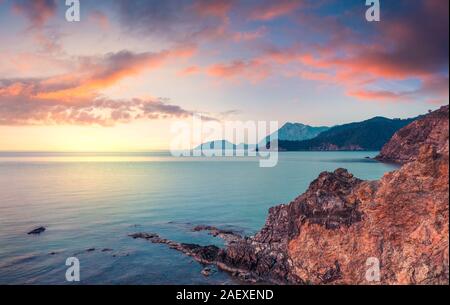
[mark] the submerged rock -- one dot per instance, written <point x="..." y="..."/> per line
<point x="207" y="271"/>
<point x="37" y="231"/>
<point x="202" y="254"/>
<point x="228" y="236"/>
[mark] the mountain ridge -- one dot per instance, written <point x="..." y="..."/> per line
<point x="292" y="131"/>
<point x="367" y="135"/>
<point x="299" y="132"/>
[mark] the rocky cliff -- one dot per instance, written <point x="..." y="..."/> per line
<point x="405" y="144"/>
<point x="340" y="224"/>
<point x="341" y="227"/>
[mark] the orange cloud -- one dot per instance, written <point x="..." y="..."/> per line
<point x="375" y="95"/>
<point x="253" y="70"/>
<point x="28" y="110"/>
<point x="38" y="12"/>
<point x="95" y="74"/>
<point x="100" y="19"/>
<point x="218" y="8"/>
<point x="317" y="76"/>
<point x="74" y="98"/>
<point x="189" y="71"/>
<point x="274" y="9"/>
<point x="28" y="64"/>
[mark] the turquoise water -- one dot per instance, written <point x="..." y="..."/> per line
<point x="95" y="200"/>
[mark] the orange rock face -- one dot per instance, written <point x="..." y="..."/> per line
<point x="344" y="230"/>
<point x="404" y="220"/>
<point x="404" y="225"/>
<point x="405" y="144"/>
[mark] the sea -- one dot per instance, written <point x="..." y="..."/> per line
<point x="90" y="202"/>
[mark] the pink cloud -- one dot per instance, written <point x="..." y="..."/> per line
<point x="189" y="71"/>
<point x="401" y="49"/>
<point x="100" y="19"/>
<point x="273" y="9"/>
<point x="29" y="110"/>
<point x="74" y="98"/>
<point x="375" y="95"/>
<point x="249" y="35"/>
<point x="253" y="70"/>
<point x="317" y="76"/>
<point x="38" y="12"/>
<point x="218" y="8"/>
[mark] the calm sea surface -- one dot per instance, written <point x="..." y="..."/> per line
<point x="95" y="200"/>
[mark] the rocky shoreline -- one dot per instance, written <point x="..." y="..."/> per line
<point x="327" y="235"/>
<point x="206" y="255"/>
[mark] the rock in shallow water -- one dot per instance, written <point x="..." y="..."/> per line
<point x="37" y="231"/>
<point x="207" y="271"/>
<point x="228" y="236"/>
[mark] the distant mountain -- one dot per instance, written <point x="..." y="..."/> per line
<point x="371" y="134"/>
<point x="224" y="145"/>
<point x="299" y="132"/>
<point x="289" y="132"/>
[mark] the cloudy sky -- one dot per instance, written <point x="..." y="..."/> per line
<point x="117" y="79"/>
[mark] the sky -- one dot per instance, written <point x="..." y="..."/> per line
<point x="119" y="78"/>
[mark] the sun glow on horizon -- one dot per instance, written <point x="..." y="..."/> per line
<point x="139" y="137"/>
